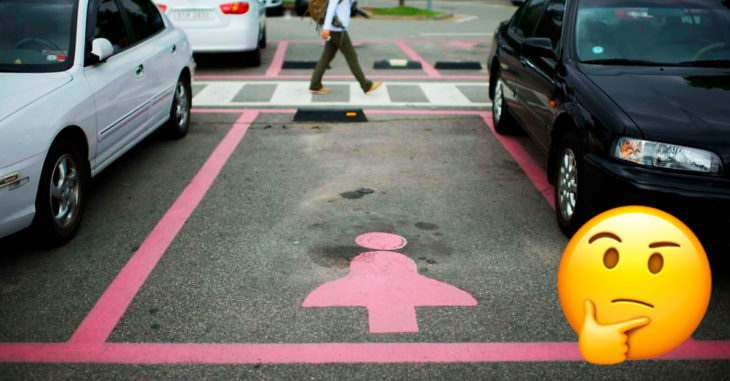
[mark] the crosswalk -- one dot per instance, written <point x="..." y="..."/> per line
<point x="344" y="94"/>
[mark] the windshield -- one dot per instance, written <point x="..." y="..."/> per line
<point x="37" y="35"/>
<point x="654" y="32"/>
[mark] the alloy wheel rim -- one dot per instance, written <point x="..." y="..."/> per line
<point x="567" y="184"/>
<point x="65" y="191"/>
<point x="497" y="102"/>
<point x="183" y="106"/>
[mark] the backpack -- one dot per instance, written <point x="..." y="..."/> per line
<point x="317" y="10"/>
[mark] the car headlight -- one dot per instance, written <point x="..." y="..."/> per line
<point x="663" y="155"/>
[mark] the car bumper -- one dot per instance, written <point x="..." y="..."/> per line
<point x="17" y="201"/>
<point x="701" y="202"/>
<point x="235" y="37"/>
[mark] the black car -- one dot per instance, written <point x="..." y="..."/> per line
<point x="630" y="99"/>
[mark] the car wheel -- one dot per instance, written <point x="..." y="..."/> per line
<point x="569" y="201"/>
<point x="262" y="41"/>
<point x="179" y="123"/>
<point x="502" y="120"/>
<point x="61" y="197"/>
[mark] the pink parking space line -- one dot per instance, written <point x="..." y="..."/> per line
<point x="88" y="343"/>
<point x="327" y="353"/>
<point x="277" y="61"/>
<point x="528" y="165"/>
<point x="101" y="320"/>
<point x="430" y="70"/>
<point x="367" y="111"/>
<point x="242" y="110"/>
<point x="259" y="77"/>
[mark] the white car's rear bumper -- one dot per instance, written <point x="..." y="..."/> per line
<point x="234" y="37"/>
<point x="17" y="202"/>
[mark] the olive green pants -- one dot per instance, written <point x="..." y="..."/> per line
<point x="338" y="41"/>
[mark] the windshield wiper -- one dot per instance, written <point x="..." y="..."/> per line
<point x="707" y="63"/>
<point x="625" y="62"/>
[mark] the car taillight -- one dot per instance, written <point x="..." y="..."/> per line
<point x="237" y="8"/>
<point x="162" y="7"/>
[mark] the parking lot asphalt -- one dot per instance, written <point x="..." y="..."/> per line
<point x="195" y="256"/>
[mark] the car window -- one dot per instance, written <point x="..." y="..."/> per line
<point x="654" y="31"/>
<point x="109" y="25"/>
<point x="37" y="35"/>
<point x="531" y="12"/>
<point x="518" y="14"/>
<point x="144" y="18"/>
<point x="551" y="22"/>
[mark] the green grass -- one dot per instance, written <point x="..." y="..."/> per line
<point x="406" y="11"/>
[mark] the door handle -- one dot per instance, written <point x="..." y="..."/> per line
<point x="140" y="70"/>
<point x="174" y="49"/>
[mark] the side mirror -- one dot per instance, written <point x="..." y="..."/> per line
<point x="538" y="47"/>
<point x="102" y="49"/>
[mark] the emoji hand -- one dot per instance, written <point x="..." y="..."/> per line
<point x="605" y="344"/>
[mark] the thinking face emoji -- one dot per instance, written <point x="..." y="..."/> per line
<point x="634" y="282"/>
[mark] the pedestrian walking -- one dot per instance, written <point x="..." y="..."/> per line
<point x="334" y="32"/>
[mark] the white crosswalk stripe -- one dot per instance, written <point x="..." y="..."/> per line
<point x="296" y="94"/>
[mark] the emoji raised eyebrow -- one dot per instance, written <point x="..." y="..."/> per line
<point x="663" y="244"/>
<point x="604" y="235"/>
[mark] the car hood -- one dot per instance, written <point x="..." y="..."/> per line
<point x="690" y="109"/>
<point x="21" y="89"/>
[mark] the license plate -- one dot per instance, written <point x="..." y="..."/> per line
<point x="198" y="15"/>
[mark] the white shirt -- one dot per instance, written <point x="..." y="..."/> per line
<point x="343" y="14"/>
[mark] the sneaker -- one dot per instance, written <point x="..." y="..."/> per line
<point x="374" y="87"/>
<point x="322" y="90"/>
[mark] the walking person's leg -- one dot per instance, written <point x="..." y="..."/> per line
<point x="351" y="56"/>
<point x="330" y="49"/>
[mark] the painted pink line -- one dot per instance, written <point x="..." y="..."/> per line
<point x="321" y="42"/>
<point x="531" y="169"/>
<point x="430" y="70"/>
<point x="99" y="323"/>
<point x="242" y="110"/>
<point x="421" y="112"/>
<point x="278" y="60"/>
<point x="326" y="353"/>
<point x="259" y="77"/>
<point x="198" y="110"/>
<point x="444" y="41"/>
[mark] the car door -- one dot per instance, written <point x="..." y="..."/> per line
<point x="159" y="48"/>
<point x="540" y="87"/>
<point x="513" y="70"/>
<point x="119" y="84"/>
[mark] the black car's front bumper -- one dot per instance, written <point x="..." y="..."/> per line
<point x="701" y="202"/>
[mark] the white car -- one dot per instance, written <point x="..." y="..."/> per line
<point x="81" y="82"/>
<point x="221" y="26"/>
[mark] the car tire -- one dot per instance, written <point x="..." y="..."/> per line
<point x="502" y="120"/>
<point x="275" y="11"/>
<point x="301" y="8"/>
<point x="570" y="203"/>
<point x="253" y="57"/>
<point x="262" y="41"/>
<point x="179" y="123"/>
<point x="62" y="193"/>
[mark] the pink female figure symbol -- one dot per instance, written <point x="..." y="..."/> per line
<point x="388" y="285"/>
